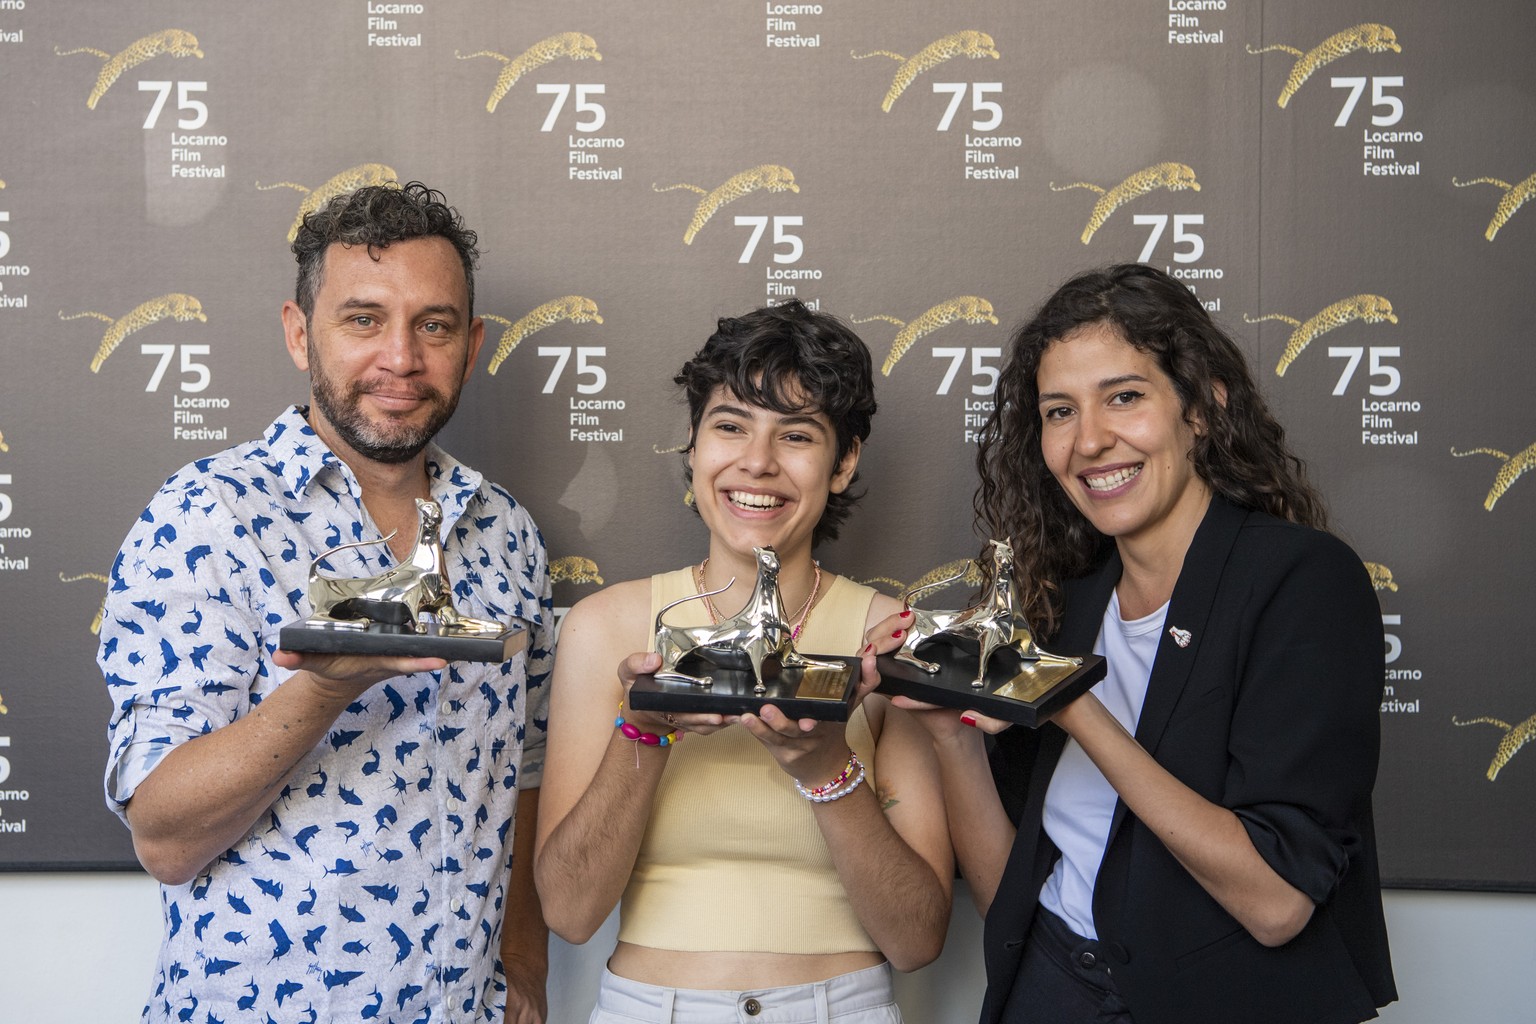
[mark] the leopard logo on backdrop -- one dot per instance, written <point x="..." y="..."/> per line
<point x="173" y="42"/>
<point x="972" y="309"/>
<point x="1512" y="469"/>
<point x="175" y="306"/>
<point x="1371" y="309"/>
<point x="1515" y="196"/>
<point x="1515" y="737"/>
<point x="571" y="45"/>
<point x="764" y="177"/>
<point x="1174" y="177"/>
<point x="574" y="569"/>
<point x="102" y="609"/>
<point x="969" y="44"/>
<point x="1381" y="577"/>
<point x="349" y="180"/>
<point x="574" y="308"/>
<point x="966" y="569"/>
<point x="3" y="446"/>
<point x="1370" y="37"/>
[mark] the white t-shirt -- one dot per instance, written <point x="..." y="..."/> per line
<point x="1080" y="802"/>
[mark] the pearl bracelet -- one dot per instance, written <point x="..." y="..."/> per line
<point x="849" y="780"/>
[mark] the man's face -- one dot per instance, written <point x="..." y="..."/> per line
<point x="388" y="347"/>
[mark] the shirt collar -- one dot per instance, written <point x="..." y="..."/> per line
<point x="302" y="460"/>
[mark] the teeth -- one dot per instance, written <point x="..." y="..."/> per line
<point x="756" y="501"/>
<point x="1110" y="481"/>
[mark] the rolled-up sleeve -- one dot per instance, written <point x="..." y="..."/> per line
<point x="178" y="652"/>
<point x="1306" y="724"/>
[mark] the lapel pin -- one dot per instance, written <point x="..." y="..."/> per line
<point x="1182" y="637"/>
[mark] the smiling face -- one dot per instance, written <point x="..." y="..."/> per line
<point x="388" y="347"/>
<point x="761" y="478"/>
<point x="1115" y="437"/>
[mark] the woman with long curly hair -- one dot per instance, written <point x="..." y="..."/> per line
<point x="1192" y="839"/>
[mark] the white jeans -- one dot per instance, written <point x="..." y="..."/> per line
<point x="860" y="997"/>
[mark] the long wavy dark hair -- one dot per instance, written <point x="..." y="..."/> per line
<point x="1241" y="454"/>
<point x="791" y="359"/>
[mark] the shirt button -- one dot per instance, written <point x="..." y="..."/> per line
<point x="451" y="804"/>
<point x="446" y="707"/>
<point x="1087" y="959"/>
<point x="456" y="906"/>
<point x="752" y="1007"/>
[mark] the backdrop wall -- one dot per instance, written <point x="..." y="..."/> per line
<point x="1341" y="183"/>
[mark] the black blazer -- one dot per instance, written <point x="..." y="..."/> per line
<point x="1272" y="710"/>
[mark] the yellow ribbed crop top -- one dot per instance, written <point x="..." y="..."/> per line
<point x="732" y="858"/>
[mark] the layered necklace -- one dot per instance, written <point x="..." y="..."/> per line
<point x="800" y="617"/>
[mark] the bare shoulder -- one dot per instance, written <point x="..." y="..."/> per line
<point x="605" y="627"/>
<point x="613" y="605"/>
<point x="881" y="607"/>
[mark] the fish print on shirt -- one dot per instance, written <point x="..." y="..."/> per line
<point x="373" y="887"/>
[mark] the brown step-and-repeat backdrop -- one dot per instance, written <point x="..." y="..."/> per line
<point x="1340" y="182"/>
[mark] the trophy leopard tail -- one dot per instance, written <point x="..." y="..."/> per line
<point x="939" y="578"/>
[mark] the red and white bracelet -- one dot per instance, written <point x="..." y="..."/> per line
<point x="851" y="778"/>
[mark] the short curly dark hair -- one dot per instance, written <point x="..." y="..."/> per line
<point x="378" y="216"/>
<point x="791" y="359"/>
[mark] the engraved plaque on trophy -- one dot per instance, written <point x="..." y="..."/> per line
<point x="737" y="665"/>
<point x="382" y="614"/>
<point x="984" y="658"/>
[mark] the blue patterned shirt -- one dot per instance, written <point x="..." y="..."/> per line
<point x="372" y="890"/>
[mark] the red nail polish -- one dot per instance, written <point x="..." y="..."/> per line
<point x="907" y="614"/>
<point x="897" y="635"/>
<point x="867" y="648"/>
<point x="968" y="719"/>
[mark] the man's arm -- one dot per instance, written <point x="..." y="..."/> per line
<point x="206" y="794"/>
<point x="524" y="938"/>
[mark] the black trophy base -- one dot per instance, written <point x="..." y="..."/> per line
<point x="400" y="641"/>
<point x="824" y="694"/>
<point x="1014" y="690"/>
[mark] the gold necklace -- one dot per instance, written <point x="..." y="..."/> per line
<point x="800" y="617"/>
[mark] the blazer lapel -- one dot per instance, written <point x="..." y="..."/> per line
<point x="1194" y="596"/>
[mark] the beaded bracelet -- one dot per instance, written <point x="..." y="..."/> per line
<point x="650" y="739"/>
<point x="827" y="797"/>
<point x="850" y="778"/>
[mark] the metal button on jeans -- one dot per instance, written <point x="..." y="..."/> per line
<point x="753" y="1007"/>
<point x="1087" y="959"/>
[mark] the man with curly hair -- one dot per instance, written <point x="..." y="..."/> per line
<point x="343" y="837"/>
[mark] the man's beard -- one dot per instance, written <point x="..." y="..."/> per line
<point x="390" y="441"/>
